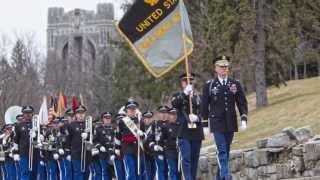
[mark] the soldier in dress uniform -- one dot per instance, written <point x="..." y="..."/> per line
<point x="117" y="157"/>
<point x="130" y="135"/>
<point x="148" y="151"/>
<point x="104" y="141"/>
<point x="94" y="166"/>
<point x="16" y="156"/>
<point x="77" y="135"/>
<point x="156" y="141"/>
<point x="220" y="98"/>
<point x="170" y="135"/>
<point x="53" y="150"/>
<point x="190" y="133"/>
<point x="65" y="160"/>
<point x="6" y="148"/>
<point x="22" y="139"/>
<point x="2" y="155"/>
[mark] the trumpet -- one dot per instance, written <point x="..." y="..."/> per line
<point x="85" y="144"/>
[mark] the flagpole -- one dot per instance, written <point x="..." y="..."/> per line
<point x="187" y="69"/>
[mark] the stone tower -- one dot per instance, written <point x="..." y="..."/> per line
<point x="78" y="42"/>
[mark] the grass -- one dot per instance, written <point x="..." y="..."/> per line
<point x="295" y="105"/>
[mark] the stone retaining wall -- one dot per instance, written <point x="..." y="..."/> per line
<point x="293" y="153"/>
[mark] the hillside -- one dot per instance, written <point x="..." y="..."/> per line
<point x="296" y="105"/>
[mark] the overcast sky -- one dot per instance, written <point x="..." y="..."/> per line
<point x="26" y="16"/>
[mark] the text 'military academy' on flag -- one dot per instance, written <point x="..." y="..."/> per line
<point x="159" y="32"/>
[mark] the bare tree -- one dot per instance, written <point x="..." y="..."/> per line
<point x="19" y="73"/>
<point x="260" y="53"/>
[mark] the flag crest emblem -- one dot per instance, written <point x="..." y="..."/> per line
<point x="151" y="2"/>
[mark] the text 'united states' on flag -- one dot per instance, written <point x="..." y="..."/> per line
<point x="159" y="32"/>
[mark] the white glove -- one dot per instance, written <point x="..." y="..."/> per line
<point x="122" y="110"/>
<point x="193" y="118"/>
<point x="41" y="137"/>
<point x="140" y="133"/>
<point x="243" y="125"/>
<point x="11" y="155"/>
<point x="15" y="147"/>
<point x="206" y="132"/>
<point x="41" y="163"/>
<point x="94" y="151"/>
<point x="61" y="151"/>
<point x="84" y="135"/>
<point x="16" y="157"/>
<point x="188" y="89"/>
<point x="117" y="152"/>
<point x="55" y="156"/>
<point x="103" y="149"/>
<point x="68" y="158"/>
<point x="112" y="157"/>
<point x="157" y="148"/>
<point x="32" y="134"/>
<point x="51" y="138"/>
<point x="161" y="157"/>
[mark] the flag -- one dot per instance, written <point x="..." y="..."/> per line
<point x="61" y="105"/>
<point x="75" y="103"/>
<point x="159" y="33"/>
<point x="81" y="100"/>
<point x="52" y="109"/>
<point x="43" y="113"/>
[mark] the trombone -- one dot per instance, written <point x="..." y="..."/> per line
<point x="33" y="130"/>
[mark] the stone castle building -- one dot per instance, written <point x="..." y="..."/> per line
<point x="79" y="42"/>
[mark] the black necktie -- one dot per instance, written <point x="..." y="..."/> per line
<point x="224" y="82"/>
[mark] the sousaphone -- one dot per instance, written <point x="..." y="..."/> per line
<point x="11" y="114"/>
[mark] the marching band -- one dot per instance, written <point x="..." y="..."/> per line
<point x="131" y="145"/>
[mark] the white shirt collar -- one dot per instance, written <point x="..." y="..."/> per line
<point x="221" y="79"/>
